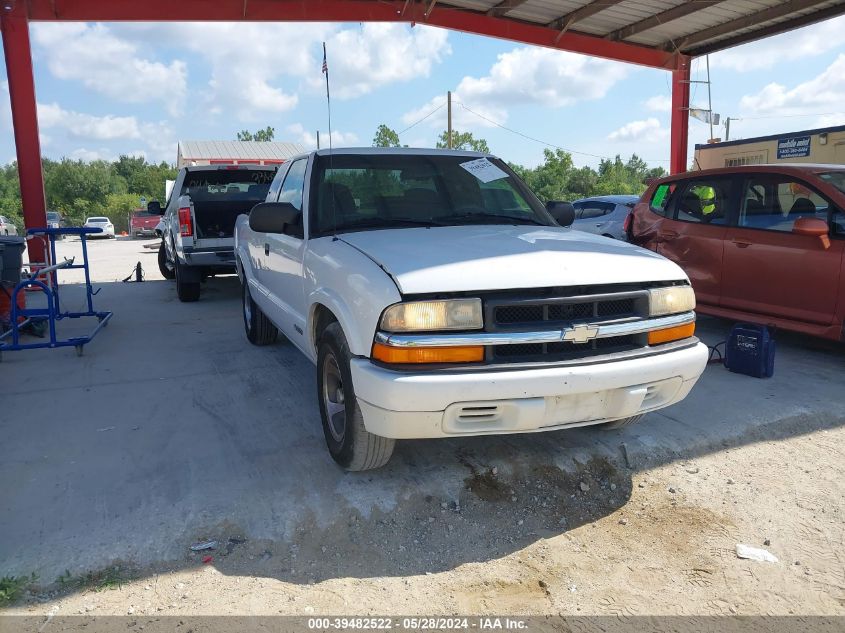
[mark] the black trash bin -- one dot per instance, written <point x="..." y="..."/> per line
<point x="11" y="258"/>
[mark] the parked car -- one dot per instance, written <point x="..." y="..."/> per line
<point x="199" y="221"/>
<point x="604" y="215"/>
<point x="762" y="243"/>
<point x="100" y="223"/>
<point x="142" y="223"/>
<point x="438" y="298"/>
<point x="6" y="226"/>
<point x="55" y="221"/>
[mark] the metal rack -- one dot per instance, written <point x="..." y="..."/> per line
<point x="45" y="279"/>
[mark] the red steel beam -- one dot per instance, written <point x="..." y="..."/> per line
<point x="347" y="11"/>
<point x="680" y="115"/>
<point x="15" y="28"/>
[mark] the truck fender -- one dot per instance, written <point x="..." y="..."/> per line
<point x="358" y="345"/>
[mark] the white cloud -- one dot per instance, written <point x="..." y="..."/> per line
<point x="309" y="139"/>
<point x="645" y="131"/>
<point x="823" y="94"/>
<point x="82" y="128"/>
<point x="658" y="103"/>
<point x="105" y="63"/>
<point x="768" y="53"/>
<point x="526" y="76"/>
<point x="361" y="60"/>
<point x="87" y="126"/>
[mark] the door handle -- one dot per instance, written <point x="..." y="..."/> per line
<point x="266" y="249"/>
<point x="741" y="243"/>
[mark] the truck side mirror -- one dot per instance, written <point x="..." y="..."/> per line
<point x="273" y="217"/>
<point x="562" y="212"/>
<point x="154" y="207"/>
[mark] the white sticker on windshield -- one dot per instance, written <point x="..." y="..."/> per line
<point x="484" y="170"/>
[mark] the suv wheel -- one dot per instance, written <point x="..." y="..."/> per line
<point x="259" y="329"/>
<point x="350" y="444"/>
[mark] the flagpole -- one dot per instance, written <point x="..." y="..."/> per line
<point x="328" y="96"/>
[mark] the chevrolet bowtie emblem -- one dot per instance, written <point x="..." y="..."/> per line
<point x="580" y="333"/>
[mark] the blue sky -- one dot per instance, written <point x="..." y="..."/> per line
<point x="111" y="89"/>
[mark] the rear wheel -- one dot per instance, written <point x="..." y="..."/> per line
<point x="618" y="424"/>
<point x="259" y="329"/>
<point x="165" y="267"/>
<point x="187" y="291"/>
<point x="349" y="442"/>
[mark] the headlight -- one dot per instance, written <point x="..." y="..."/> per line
<point x="671" y="300"/>
<point x="424" y="316"/>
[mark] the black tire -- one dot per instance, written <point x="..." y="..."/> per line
<point x="349" y="443"/>
<point x="187" y="291"/>
<point x="167" y="273"/>
<point x="618" y="424"/>
<point x="259" y="329"/>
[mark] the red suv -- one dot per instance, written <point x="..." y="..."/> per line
<point x="762" y="243"/>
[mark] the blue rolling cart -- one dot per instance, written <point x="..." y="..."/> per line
<point x="10" y="340"/>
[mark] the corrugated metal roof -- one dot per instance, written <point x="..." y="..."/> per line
<point x="238" y="150"/>
<point x="692" y="27"/>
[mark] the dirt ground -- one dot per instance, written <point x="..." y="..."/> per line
<point x="597" y="542"/>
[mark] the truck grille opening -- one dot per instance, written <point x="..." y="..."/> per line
<point x="509" y="315"/>
<point x="564" y="350"/>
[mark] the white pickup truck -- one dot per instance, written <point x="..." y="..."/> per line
<point x="438" y="297"/>
<point x="198" y="221"/>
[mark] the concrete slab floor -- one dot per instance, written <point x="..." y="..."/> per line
<point x="172" y="425"/>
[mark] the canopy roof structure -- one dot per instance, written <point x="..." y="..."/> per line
<point x="664" y="34"/>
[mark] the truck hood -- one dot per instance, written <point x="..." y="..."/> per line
<point x="468" y="258"/>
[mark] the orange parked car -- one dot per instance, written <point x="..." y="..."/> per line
<point x="762" y="244"/>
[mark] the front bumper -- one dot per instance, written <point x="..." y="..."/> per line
<point x="448" y="404"/>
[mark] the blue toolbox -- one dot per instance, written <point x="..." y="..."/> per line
<point x="750" y="350"/>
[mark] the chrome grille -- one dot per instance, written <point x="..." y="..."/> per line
<point x="532" y="314"/>
<point x="550" y="352"/>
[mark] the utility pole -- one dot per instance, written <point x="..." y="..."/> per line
<point x="728" y="128"/>
<point x="318" y="139"/>
<point x="449" y="118"/>
<point x="709" y="101"/>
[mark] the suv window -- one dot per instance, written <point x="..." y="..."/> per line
<point x="705" y="201"/>
<point x="773" y="203"/>
<point x="660" y="198"/>
<point x="593" y="209"/>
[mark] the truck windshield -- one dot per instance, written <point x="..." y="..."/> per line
<point x="835" y="178"/>
<point x="370" y="191"/>
<point x="53" y="216"/>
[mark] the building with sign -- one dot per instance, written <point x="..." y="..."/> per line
<point x="823" y="145"/>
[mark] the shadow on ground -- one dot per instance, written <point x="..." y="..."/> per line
<point x="172" y="429"/>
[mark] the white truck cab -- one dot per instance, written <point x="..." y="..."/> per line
<point x="438" y="297"/>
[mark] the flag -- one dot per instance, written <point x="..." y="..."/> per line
<point x="325" y="63"/>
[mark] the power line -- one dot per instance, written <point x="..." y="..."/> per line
<point x="421" y="120"/>
<point x="784" y="116"/>
<point x="536" y="140"/>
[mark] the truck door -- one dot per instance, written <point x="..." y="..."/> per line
<point x="282" y="267"/>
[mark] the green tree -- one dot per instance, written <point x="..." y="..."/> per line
<point x="77" y="189"/>
<point x="267" y="134"/>
<point x="462" y="140"/>
<point x="386" y="137"/>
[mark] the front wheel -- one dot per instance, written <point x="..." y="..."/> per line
<point x="259" y="329"/>
<point x="165" y="267"/>
<point x="349" y="442"/>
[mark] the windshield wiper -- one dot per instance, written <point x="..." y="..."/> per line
<point x="485" y="217"/>
<point x="386" y="223"/>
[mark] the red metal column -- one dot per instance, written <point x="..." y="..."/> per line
<point x="680" y="115"/>
<point x="15" y="29"/>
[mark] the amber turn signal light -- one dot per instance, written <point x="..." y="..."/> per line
<point x="416" y="355"/>
<point x="656" y="337"/>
